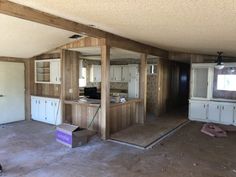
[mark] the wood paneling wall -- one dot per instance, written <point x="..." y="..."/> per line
<point x="170" y="91"/>
<point x="125" y="115"/>
<point x="70" y="74"/>
<point x="163" y="86"/>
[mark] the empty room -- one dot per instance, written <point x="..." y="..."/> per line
<point x="118" y="88"/>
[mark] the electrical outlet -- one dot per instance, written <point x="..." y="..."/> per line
<point x="70" y="90"/>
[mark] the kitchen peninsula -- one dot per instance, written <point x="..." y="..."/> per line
<point x="84" y="112"/>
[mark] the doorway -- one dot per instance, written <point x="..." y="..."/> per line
<point x="12" y="88"/>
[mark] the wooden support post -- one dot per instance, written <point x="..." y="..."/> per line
<point x="105" y="91"/>
<point x="143" y="88"/>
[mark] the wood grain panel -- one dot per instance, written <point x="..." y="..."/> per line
<point x="124" y="115"/>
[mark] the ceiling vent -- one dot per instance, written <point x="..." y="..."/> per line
<point x="75" y="36"/>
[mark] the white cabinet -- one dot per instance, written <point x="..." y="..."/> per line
<point x="198" y="110"/>
<point x="214" y="112"/>
<point x="55" y="71"/>
<point x="95" y="73"/>
<point x="34" y="108"/>
<point x="115" y="73"/>
<point x="133" y="85"/>
<point x="227" y="113"/>
<point x="48" y="71"/>
<point x="119" y="73"/>
<point x="124" y="73"/>
<point x="46" y="110"/>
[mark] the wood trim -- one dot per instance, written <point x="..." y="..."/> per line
<point x="105" y="91"/>
<point x="27" y="13"/>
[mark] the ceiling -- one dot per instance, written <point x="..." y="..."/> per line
<point x="94" y="53"/>
<point x="25" y="39"/>
<point x="197" y="26"/>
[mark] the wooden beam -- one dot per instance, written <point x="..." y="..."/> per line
<point x="27" y="13"/>
<point x="143" y="87"/>
<point x="105" y="92"/>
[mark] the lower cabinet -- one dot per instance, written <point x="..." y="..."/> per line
<point x="198" y="110"/>
<point x="46" y="110"/>
<point x="212" y="111"/>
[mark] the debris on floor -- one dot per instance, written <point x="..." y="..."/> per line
<point x="213" y="130"/>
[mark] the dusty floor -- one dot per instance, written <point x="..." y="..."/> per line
<point x="29" y="149"/>
<point x="142" y="135"/>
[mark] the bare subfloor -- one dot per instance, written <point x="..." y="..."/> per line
<point x="29" y="149"/>
<point x="143" y="135"/>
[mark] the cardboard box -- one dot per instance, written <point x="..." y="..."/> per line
<point x="71" y="135"/>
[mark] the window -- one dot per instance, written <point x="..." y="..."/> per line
<point x="82" y="79"/>
<point x="226" y="82"/>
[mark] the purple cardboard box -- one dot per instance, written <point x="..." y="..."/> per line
<point x="71" y="135"/>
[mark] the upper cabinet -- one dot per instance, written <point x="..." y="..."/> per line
<point x="48" y="71"/>
<point x="124" y="73"/>
<point x="201" y="81"/>
<point x="118" y="73"/>
<point x="95" y="73"/>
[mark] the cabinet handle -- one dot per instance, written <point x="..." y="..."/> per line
<point x="51" y="103"/>
<point x="217" y="107"/>
<point x="204" y="105"/>
<point x="223" y="107"/>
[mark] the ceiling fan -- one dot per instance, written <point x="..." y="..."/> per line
<point x="219" y="61"/>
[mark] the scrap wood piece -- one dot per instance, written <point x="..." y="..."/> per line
<point x="228" y="128"/>
<point x="213" y="130"/>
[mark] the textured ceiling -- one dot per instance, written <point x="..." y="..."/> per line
<point x="198" y="26"/>
<point x="24" y="39"/>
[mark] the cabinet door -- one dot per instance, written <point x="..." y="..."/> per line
<point x="57" y="113"/>
<point x="198" y="110"/>
<point x="55" y="77"/>
<point x="95" y="73"/>
<point x="214" y="112"/>
<point x="41" y="109"/>
<point x="227" y="114"/>
<point x="199" y="82"/>
<point x="34" y="108"/>
<point x="49" y="111"/>
<point x="125" y="73"/>
<point x="117" y="73"/>
<point x="98" y="73"/>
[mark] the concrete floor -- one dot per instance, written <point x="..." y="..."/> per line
<point x="29" y="149"/>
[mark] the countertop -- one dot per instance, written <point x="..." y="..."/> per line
<point x="96" y="103"/>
